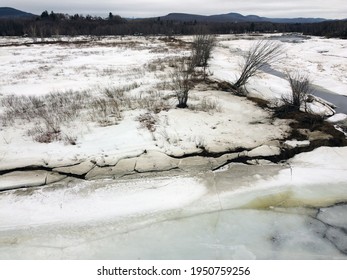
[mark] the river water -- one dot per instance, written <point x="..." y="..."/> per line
<point x="340" y="101"/>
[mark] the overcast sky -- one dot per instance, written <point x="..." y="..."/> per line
<point x="333" y="9"/>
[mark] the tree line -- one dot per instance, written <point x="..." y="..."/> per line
<point x="54" y="24"/>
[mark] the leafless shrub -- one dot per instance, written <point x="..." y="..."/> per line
<point x="182" y="82"/>
<point x="115" y="100"/>
<point x="13" y="106"/>
<point x="64" y="106"/>
<point x="47" y="112"/>
<point x="44" y="134"/>
<point x="148" y="120"/>
<point x="112" y="103"/>
<point x="259" y="55"/>
<point x="104" y="113"/>
<point x="152" y="102"/>
<point x="52" y="112"/>
<point x="68" y="105"/>
<point x="300" y="85"/>
<point x="36" y="102"/>
<point x="48" y="134"/>
<point x="51" y="122"/>
<point x="202" y="47"/>
<point x="70" y="139"/>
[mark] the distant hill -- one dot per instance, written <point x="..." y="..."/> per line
<point x="235" y="17"/>
<point x="6" y="12"/>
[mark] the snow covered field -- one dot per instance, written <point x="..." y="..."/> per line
<point x="246" y="211"/>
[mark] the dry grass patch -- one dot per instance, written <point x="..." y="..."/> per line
<point x="48" y="116"/>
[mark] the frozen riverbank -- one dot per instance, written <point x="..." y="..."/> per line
<point x="57" y="121"/>
<point x="263" y="212"/>
<point x="119" y="172"/>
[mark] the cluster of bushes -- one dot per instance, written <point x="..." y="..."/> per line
<point x="260" y="55"/>
<point x="48" y="114"/>
<point x="185" y="74"/>
<point x="48" y="117"/>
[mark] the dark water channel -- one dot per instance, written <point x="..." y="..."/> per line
<point x="340" y="101"/>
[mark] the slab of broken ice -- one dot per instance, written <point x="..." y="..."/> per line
<point x="340" y="117"/>
<point x="242" y="212"/>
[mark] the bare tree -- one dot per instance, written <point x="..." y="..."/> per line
<point x="300" y="85"/>
<point x="259" y="55"/>
<point x="182" y="82"/>
<point x="202" y="47"/>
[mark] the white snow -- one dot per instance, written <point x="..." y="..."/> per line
<point x="337" y="118"/>
<point x="116" y="62"/>
<point x="49" y="68"/>
<point x="324" y="60"/>
<point x="239" y="124"/>
<point x="296" y="143"/>
<point x="331" y="158"/>
<point x="95" y="202"/>
<point x="244" y="211"/>
<point x="251" y="212"/>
